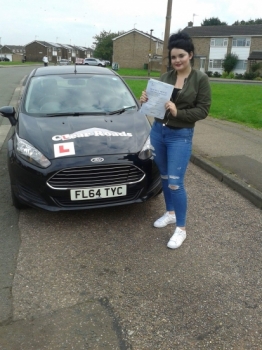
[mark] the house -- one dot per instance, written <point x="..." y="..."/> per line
<point x="212" y="43"/>
<point x="84" y="52"/>
<point x="135" y="49"/>
<point x="12" y="52"/>
<point x="36" y="50"/>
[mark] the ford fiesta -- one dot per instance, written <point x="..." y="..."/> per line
<point x="79" y="142"/>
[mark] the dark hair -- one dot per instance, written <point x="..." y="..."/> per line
<point x="182" y="41"/>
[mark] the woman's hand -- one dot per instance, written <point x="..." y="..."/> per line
<point x="172" y="108"/>
<point x="143" y="97"/>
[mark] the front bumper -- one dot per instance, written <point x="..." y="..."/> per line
<point x="29" y="185"/>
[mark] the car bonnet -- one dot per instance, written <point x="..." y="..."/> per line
<point x="85" y="135"/>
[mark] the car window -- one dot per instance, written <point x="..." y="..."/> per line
<point x="76" y="93"/>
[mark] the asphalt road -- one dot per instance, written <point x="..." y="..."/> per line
<point x="104" y="279"/>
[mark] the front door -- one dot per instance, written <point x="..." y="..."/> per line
<point x="202" y="64"/>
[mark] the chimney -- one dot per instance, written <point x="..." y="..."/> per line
<point x="190" y="24"/>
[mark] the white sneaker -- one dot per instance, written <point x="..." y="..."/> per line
<point x="165" y="220"/>
<point x="177" y="239"/>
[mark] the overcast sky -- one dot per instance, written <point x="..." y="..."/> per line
<point x="77" y="21"/>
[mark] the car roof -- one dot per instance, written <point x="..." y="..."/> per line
<point x="72" y="69"/>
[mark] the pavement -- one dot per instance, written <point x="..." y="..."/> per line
<point x="229" y="151"/>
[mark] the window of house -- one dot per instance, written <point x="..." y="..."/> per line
<point x="241" y="64"/>
<point x="241" y="42"/>
<point x="215" y="63"/>
<point x="219" y="42"/>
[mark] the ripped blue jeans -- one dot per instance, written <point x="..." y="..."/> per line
<point x="172" y="150"/>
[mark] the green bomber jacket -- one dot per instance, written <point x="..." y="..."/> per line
<point x="192" y="101"/>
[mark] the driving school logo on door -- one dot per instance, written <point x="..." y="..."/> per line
<point x="64" y="149"/>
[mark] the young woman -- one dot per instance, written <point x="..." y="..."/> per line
<point x="171" y="137"/>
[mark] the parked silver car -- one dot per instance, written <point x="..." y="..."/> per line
<point x="94" y="62"/>
<point x="64" y="62"/>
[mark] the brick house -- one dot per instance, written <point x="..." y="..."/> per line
<point x="212" y="43"/>
<point x="134" y="48"/>
<point x="36" y="50"/>
<point x="83" y="52"/>
<point x="12" y="52"/>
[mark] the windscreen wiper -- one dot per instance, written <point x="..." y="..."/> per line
<point x="73" y="114"/>
<point x="121" y="110"/>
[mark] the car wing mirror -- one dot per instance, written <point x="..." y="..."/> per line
<point x="9" y="112"/>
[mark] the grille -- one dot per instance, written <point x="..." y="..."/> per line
<point x="98" y="175"/>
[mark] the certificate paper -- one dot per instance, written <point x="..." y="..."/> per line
<point x="158" y="94"/>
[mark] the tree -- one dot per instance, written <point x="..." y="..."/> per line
<point x="213" y="21"/>
<point x="230" y="62"/>
<point x="104" y="44"/>
<point x="249" y="22"/>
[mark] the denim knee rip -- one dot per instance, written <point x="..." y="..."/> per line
<point x="171" y="186"/>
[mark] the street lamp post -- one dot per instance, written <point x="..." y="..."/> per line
<point x="149" y="53"/>
<point x="165" y="64"/>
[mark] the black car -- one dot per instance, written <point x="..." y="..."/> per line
<point x="79" y="142"/>
<point x="4" y="59"/>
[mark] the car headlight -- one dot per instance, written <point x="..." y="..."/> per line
<point x="146" y="151"/>
<point x="30" y="153"/>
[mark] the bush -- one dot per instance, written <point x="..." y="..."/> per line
<point x="217" y="75"/>
<point x="224" y="75"/>
<point x="255" y="67"/>
<point x="258" y="78"/>
<point x="230" y="62"/>
<point x="231" y="75"/>
<point x="239" y="76"/>
<point x="250" y="75"/>
<point x="209" y="73"/>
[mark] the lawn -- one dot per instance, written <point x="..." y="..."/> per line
<point x="16" y="63"/>
<point x="238" y="103"/>
<point x="137" y="72"/>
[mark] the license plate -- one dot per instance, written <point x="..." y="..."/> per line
<point x="98" y="192"/>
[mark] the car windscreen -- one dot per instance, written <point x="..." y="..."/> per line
<point x="83" y="93"/>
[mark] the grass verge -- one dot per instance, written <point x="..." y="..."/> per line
<point x="18" y="63"/>
<point x="238" y="103"/>
<point x="137" y="72"/>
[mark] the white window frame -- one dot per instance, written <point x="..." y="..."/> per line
<point x="244" y="65"/>
<point x="214" y="41"/>
<point x="237" y="40"/>
<point x="213" y="64"/>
